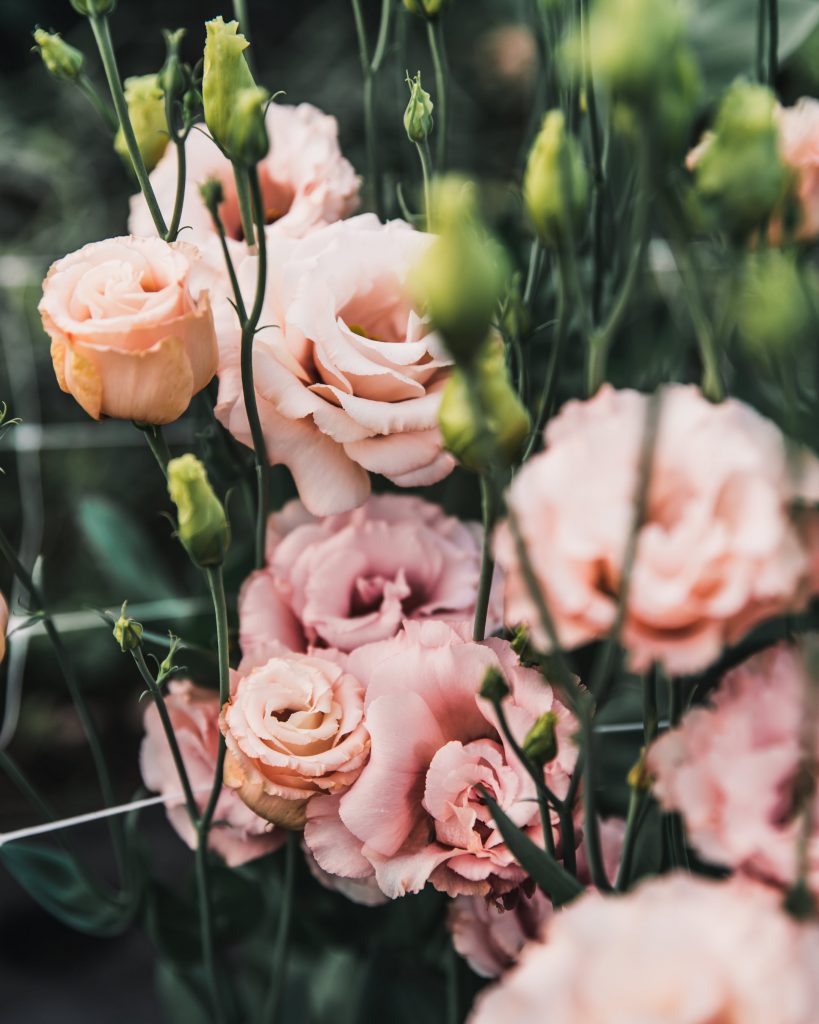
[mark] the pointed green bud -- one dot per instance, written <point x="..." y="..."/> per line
<point x="487" y="429"/>
<point x="94" y="8"/>
<point x="520" y="641"/>
<point x="428" y="9"/>
<point x="127" y="632"/>
<point x="225" y="75"/>
<point x="418" y="115"/>
<point x="540" y="744"/>
<point x="61" y="60"/>
<point x="172" y="79"/>
<point x="213" y="194"/>
<point x="146" y="108"/>
<point x="168" y="664"/>
<point x="776" y="306"/>
<point x="555" y="185"/>
<point x="246" y="141"/>
<point x="494" y="687"/>
<point x="202" y="523"/>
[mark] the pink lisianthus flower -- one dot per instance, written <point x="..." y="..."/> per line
<point x="352" y="579"/>
<point x="348" y="377"/>
<point x="720" y="547"/>
<point x="490" y="936"/>
<point x="237" y="834"/>
<point x="799" y="142"/>
<point x="676" y="950"/>
<point x="415" y="814"/>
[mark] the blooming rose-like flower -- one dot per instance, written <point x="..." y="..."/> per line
<point x="799" y="142"/>
<point x="131" y="337"/>
<point x="4" y="622"/>
<point x="351" y="579"/>
<point x="677" y="950"/>
<point x="304" y="179"/>
<point x="294" y="727"/>
<point x="415" y="814"/>
<point x="237" y="834"/>
<point x="733" y="770"/>
<point x="348" y="377"/>
<point x="717" y="552"/>
<point x="490" y="937"/>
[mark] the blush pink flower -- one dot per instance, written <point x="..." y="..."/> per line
<point x="799" y="142"/>
<point x="131" y="335"/>
<point x="719" y="549"/>
<point x="237" y="834"/>
<point x="489" y="936"/>
<point x="352" y="579"/>
<point x="415" y="814"/>
<point x="305" y="181"/>
<point x="348" y="377"/>
<point x="676" y="950"/>
<point x="294" y="727"/>
<point x="733" y="770"/>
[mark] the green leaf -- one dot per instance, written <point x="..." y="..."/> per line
<point x="552" y="878"/>
<point x="57" y="882"/>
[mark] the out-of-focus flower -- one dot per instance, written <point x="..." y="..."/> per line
<point x="294" y="727"/>
<point x="146" y="109"/>
<point x="776" y="305"/>
<point x="677" y="950"/>
<point x="352" y="579"/>
<point x="506" y="62"/>
<point x="130" y="335"/>
<point x="237" y="834"/>
<point x="348" y="376"/>
<point x="305" y="181"/>
<point x="717" y="551"/>
<point x="202" y="525"/>
<point x="4" y="622"/>
<point x="799" y="147"/>
<point x="555" y="185"/>
<point x="489" y="936"/>
<point x="425" y="8"/>
<point x="61" y="60"/>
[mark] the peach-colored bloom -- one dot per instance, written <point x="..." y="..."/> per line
<point x="415" y="813"/>
<point x="799" y="142"/>
<point x="348" y="377"/>
<point x="733" y="770"/>
<point x="305" y="181"/>
<point x="130" y="335"/>
<point x="351" y="579"/>
<point x="490" y="936"/>
<point x="237" y="834"/>
<point x="294" y="727"/>
<point x="4" y="622"/>
<point x="677" y="950"/>
<point x="719" y="549"/>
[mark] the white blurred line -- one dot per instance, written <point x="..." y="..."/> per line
<point x="35" y="437"/>
<point x="79" y="621"/>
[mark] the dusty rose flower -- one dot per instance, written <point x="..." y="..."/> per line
<point x="237" y="834"/>
<point x="676" y="950"/>
<point x="733" y="770"/>
<point x="351" y="579"/>
<point x="4" y="622"/>
<point x="348" y="377"/>
<point x="294" y="727"/>
<point x="489" y="936"/>
<point x="718" y="551"/>
<point x="415" y="813"/>
<point x="131" y="336"/>
<point x="799" y="141"/>
<point x="305" y="181"/>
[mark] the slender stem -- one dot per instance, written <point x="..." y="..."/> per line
<point x="97" y="102"/>
<point x="761" y="25"/>
<point x="487" y="563"/>
<point x="383" y="36"/>
<point x="179" y="201"/>
<point x="650" y="714"/>
<point x="634" y="819"/>
<point x="270" y="1012"/>
<point x="369" y="108"/>
<point x="598" y="179"/>
<point x="27" y="788"/>
<point x="426" y="172"/>
<point x="532" y="271"/>
<point x="234" y="281"/>
<point x="435" y="39"/>
<point x="594" y="850"/>
<point x="158" y="445"/>
<point x="206" y="931"/>
<point x="245" y="207"/>
<point x="241" y="15"/>
<point x="102" y="34"/>
<point x="773" y="42"/>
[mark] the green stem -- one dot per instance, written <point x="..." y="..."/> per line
<point x="206" y="931"/>
<point x="245" y="207"/>
<point x="634" y="819"/>
<point x="241" y="15"/>
<point x="532" y="272"/>
<point x="27" y="788"/>
<point x="97" y="102"/>
<point x="598" y="179"/>
<point x="179" y="201"/>
<point x="426" y="172"/>
<point x="102" y="34"/>
<point x="591" y="835"/>
<point x="773" y="42"/>
<point x="157" y="443"/>
<point x="487" y="563"/>
<point x="761" y="24"/>
<point x="383" y="37"/>
<point x="435" y="39"/>
<point x="373" y="169"/>
<point x="270" y="1012"/>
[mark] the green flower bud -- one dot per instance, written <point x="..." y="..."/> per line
<point x="776" y="306"/>
<point x="203" y="526"/>
<point x="61" y="60"/>
<point x="246" y="141"/>
<point x="172" y="79"/>
<point x="418" y="115"/>
<point x="127" y="632"/>
<point x="212" y="193"/>
<point x="146" y="108"/>
<point x="494" y="686"/>
<point x="540" y="744"/>
<point x="428" y="9"/>
<point x="490" y="427"/>
<point x="225" y="75"/>
<point x="639" y="777"/>
<point x="462" y="276"/>
<point x="555" y="185"/>
<point x="168" y="664"/>
<point x="94" y="8"/>
<point x="740" y="172"/>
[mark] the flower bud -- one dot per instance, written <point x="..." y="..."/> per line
<point x="555" y="185"/>
<point x="639" y="777"/>
<point x="202" y="524"/>
<point x="488" y="428"/>
<point x="172" y="79"/>
<point x="540" y="744"/>
<point x="776" y="306"/>
<point x="418" y="115"/>
<point x="146" y="109"/>
<point x="213" y="194"/>
<point x="226" y="74"/>
<point x="739" y="172"/>
<point x="428" y="9"/>
<point x="168" y="664"/>
<point x="127" y="632"/>
<point x="246" y="141"/>
<point x="94" y="8"/>
<point x="494" y="687"/>
<point x="463" y="274"/>
<point x="61" y="60"/>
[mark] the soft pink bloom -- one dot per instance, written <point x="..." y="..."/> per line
<point x="489" y="936"/>
<point x="676" y="950"/>
<point x="348" y="377"/>
<point x="352" y="579"/>
<point x="131" y="335"/>
<point x="305" y="181"/>
<point x="4" y="622"/>
<point x="799" y="141"/>
<point x="415" y="814"/>
<point x="719" y="549"/>
<point x="294" y="727"/>
<point x="733" y="770"/>
<point x="237" y="834"/>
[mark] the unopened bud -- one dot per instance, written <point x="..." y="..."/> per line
<point x="540" y="744"/>
<point x="226" y="74"/>
<point x="94" y="8"/>
<point x="127" y="632"/>
<point x="555" y="185"/>
<point x="168" y="664"/>
<point x="61" y="60"/>
<point x="418" y="115"/>
<point x="776" y="306"/>
<point x="494" y="687"/>
<point x="213" y="194"/>
<point x="428" y="9"/>
<point x="173" y="80"/>
<point x="202" y="523"/>
<point x="246" y="141"/>
<point x="146" y="109"/>
<point x="639" y="777"/>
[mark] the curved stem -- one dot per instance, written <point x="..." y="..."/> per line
<point x="97" y="102"/>
<point x="436" y="48"/>
<point x="487" y="564"/>
<point x="17" y="776"/>
<point x="272" y="1002"/>
<point x="179" y="201"/>
<point x="157" y="444"/>
<point x="383" y="36"/>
